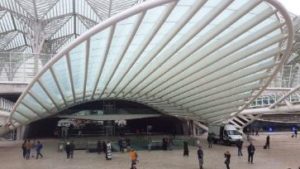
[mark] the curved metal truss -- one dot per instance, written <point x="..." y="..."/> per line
<point x="35" y="25"/>
<point x="204" y="60"/>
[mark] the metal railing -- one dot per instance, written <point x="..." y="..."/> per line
<point x="267" y="100"/>
<point x="6" y="105"/>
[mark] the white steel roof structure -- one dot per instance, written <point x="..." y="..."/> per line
<point x="26" y="24"/>
<point x="200" y="59"/>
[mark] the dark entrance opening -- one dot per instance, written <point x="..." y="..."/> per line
<point x="90" y="117"/>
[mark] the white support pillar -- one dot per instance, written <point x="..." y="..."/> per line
<point x="37" y="38"/>
<point x="200" y="125"/>
<point x="20" y="132"/>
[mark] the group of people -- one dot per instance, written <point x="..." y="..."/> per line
<point x="27" y="146"/>
<point x="239" y="144"/>
<point x="227" y="155"/>
<point x="106" y="147"/>
<point x="123" y="144"/>
<point x="250" y="149"/>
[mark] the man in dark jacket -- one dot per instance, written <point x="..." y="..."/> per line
<point x="210" y="140"/>
<point x="24" y="149"/>
<point x="200" y="157"/>
<point x="267" y="142"/>
<point x="239" y="145"/>
<point x="185" y="148"/>
<point x="120" y="144"/>
<point x="251" y="150"/>
<point x="72" y="148"/>
<point x="104" y="147"/>
<point x="227" y="159"/>
<point x="68" y="149"/>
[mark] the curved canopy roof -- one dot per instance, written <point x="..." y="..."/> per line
<point x="200" y="59"/>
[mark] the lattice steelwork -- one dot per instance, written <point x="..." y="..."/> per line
<point x="26" y="24"/>
<point x="20" y="67"/>
<point x="200" y="59"/>
<point x="295" y="56"/>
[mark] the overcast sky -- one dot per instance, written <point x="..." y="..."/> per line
<point x="292" y="5"/>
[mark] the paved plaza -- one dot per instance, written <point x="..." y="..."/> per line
<point x="284" y="154"/>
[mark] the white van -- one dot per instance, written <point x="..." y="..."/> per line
<point x="226" y="134"/>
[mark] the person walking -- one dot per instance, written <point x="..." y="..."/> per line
<point x="120" y="143"/>
<point x="104" y="147"/>
<point x="227" y="156"/>
<point x="128" y="142"/>
<point x="38" y="148"/>
<point x="267" y="146"/>
<point x="296" y="132"/>
<point x="28" y="147"/>
<point x="185" y="148"/>
<point x="108" y="151"/>
<point x="134" y="158"/>
<point x="251" y="150"/>
<point x="210" y="140"/>
<point x="24" y="149"/>
<point x="72" y="148"/>
<point x="200" y="157"/>
<point x="239" y="145"/>
<point x="68" y="149"/>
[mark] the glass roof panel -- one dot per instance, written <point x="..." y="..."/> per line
<point x="77" y="58"/>
<point x="123" y="30"/>
<point x="40" y="94"/>
<point x="48" y="81"/>
<point x="61" y="71"/>
<point x="98" y="45"/>
<point x="20" y="118"/>
<point x="24" y="110"/>
<point x="175" y="58"/>
<point x="28" y="100"/>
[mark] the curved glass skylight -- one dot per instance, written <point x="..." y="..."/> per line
<point x="200" y="59"/>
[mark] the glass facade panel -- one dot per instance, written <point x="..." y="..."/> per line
<point x="49" y="83"/>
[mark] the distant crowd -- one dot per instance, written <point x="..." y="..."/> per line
<point x="33" y="149"/>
